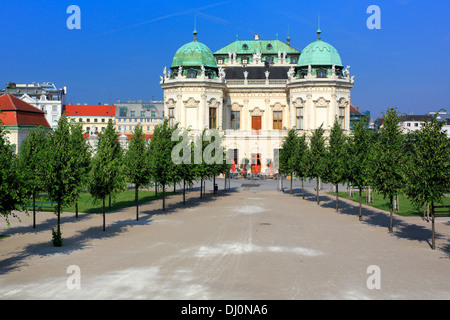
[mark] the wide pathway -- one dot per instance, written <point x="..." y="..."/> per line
<point x="253" y="244"/>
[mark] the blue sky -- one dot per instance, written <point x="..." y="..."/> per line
<point x="123" y="46"/>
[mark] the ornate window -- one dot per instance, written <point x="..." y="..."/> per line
<point x="269" y="47"/>
<point x="172" y="117"/>
<point x="235" y="120"/>
<point x="342" y="116"/>
<point x="277" y="120"/>
<point x="192" y="74"/>
<point x="299" y="118"/>
<point x="213" y="118"/>
<point x="245" y="47"/>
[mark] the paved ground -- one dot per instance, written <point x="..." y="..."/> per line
<point x="253" y="244"/>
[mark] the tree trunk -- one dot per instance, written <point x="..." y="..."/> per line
<point x="137" y="202"/>
<point x="156" y="190"/>
<point x="109" y="203"/>
<point x="214" y="184"/>
<point x="201" y="188"/>
<point x="337" y="197"/>
<point x="360" y="204"/>
<point x="317" y="190"/>
<point x="433" y="242"/>
<point x="303" y="189"/>
<point x="164" y="196"/>
<point x="174" y="187"/>
<point x="104" y="218"/>
<point x="59" y="216"/>
<point x="184" y="191"/>
<point x="76" y="209"/>
<point x="292" y="178"/>
<point x="391" y="209"/>
<point x="34" y="210"/>
<point x="281" y="183"/>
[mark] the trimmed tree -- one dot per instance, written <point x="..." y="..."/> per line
<point x="32" y="155"/>
<point x="288" y="152"/>
<point x="136" y="163"/>
<point x="11" y="193"/>
<point x="428" y="169"/>
<point x="61" y="178"/>
<point x="387" y="171"/>
<point x="358" y="149"/>
<point x="107" y="169"/>
<point x="316" y="157"/>
<point x="161" y="165"/>
<point x="301" y="160"/>
<point x="336" y="157"/>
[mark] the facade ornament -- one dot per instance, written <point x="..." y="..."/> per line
<point x="222" y="73"/>
<point x="180" y="71"/>
<point x="234" y="57"/>
<point x="352" y="79"/>
<point x="333" y="70"/>
<point x="346" y="71"/>
<point x="309" y="69"/>
<point x="291" y="72"/>
<point x="284" y="55"/>
<point x="230" y="57"/>
<point x="165" y="71"/>
<point x="267" y="73"/>
<point x="245" y="74"/>
<point x="202" y="67"/>
<point x="279" y="54"/>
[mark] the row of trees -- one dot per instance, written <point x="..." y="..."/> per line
<point x="390" y="162"/>
<point x="62" y="165"/>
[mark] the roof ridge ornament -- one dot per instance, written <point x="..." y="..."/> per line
<point x="318" y="29"/>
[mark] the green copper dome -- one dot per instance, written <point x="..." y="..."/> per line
<point x="194" y="54"/>
<point x="320" y="53"/>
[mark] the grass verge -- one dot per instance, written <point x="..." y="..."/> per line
<point x="406" y="208"/>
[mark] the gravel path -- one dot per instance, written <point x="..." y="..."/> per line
<point x="250" y="245"/>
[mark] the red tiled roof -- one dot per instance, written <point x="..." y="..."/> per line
<point x="17" y="112"/>
<point x="72" y="110"/>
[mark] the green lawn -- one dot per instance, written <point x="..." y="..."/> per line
<point x="86" y="203"/>
<point x="406" y="207"/>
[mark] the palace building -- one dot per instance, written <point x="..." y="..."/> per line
<point x="254" y="91"/>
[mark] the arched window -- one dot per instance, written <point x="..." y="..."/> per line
<point x="269" y="47"/>
<point x="245" y="46"/>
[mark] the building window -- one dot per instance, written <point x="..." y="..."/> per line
<point x="277" y="120"/>
<point x="269" y="47"/>
<point x="233" y="155"/>
<point x="294" y="60"/>
<point x="321" y="73"/>
<point x="88" y="120"/>
<point x="80" y="120"/>
<point x="408" y="124"/>
<point x="244" y="60"/>
<point x="212" y="118"/>
<point x="103" y="120"/>
<point x="172" y="117"/>
<point x="245" y="47"/>
<point x="95" y="120"/>
<point x="132" y="114"/>
<point x="220" y="61"/>
<point x="192" y="74"/>
<point x="342" y="117"/>
<point x="123" y="112"/>
<point x="299" y="115"/>
<point x="153" y="114"/>
<point x="54" y="108"/>
<point x="416" y="124"/>
<point x="235" y="120"/>
<point x="142" y="113"/>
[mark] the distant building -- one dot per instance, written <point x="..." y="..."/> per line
<point x="356" y="115"/>
<point x="45" y="96"/>
<point x="130" y="114"/>
<point x="443" y="116"/>
<point x="413" y="122"/>
<point x="94" y="118"/>
<point x="19" y="118"/>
